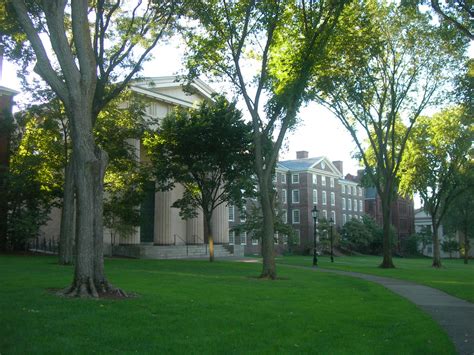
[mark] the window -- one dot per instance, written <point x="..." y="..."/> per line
<point x="349" y="216"/>
<point x="332" y="182"/>
<point x="284" y="239"/>
<point x="296" y="216"/>
<point x="231" y="237"/>
<point x="360" y="191"/>
<point x="349" y="204"/>
<point x="283" y="181"/>
<point x="343" y="188"/>
<point x="231" y="213"/>
<point x="295" y="178"/>
<point x="333" y="199"/>
<point x="361" y="209"/>
<point x="275" y="238"/>
<point x="348" y="190"/>
<point x="333" y="216"/>
<point x="355" y="205"/>
<point x="315" y="179"/>
<point x="284" y="216"/>
<point x="283" y="196"/>
<point x="343" y="203"/>
<point x="324" y="197"/>
<point x="297" y="238"/>
<point x="243" y="214"/>
<point x="315" y="197"/>
<point x="254" y="241"/>
<point x="344" y="219"/>
<point x="323" y="180"/>
<point x="325" y="214"/>
<point x="295" y="196"/>
<point x="243" y="238"/>
<point x="354" y="192"/>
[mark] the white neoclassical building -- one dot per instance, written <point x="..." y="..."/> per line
<point x="162" y="229"/>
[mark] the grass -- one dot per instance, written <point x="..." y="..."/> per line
<point x="197" y="307"/>
<point x="454" y="277"/>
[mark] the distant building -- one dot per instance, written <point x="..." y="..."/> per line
<point x="302" y="184"/>
<point x="402" y="216"/>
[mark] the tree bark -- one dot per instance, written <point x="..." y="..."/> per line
<point x="387" y="262"/>
<point x="268" y="231"/>
<point x="66" y="235"/>
<point x="208" y="234"/>
<point x="467" y="245"/>
<point x="436" y="247"/>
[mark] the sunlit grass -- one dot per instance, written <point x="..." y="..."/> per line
<point x="197" y="307"/>
<point x="454" y="277"/>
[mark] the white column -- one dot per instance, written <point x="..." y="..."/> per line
<point x="163" y="218"/>
<point x="220" y="224"/>
<point x="195" y="229"/>
<point x="178" y="225"/>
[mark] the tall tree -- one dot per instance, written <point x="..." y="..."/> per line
<point x="207" y="150"/>
<point x="96" y="48"/>
<point x="389" y="65"/>
<point x="437" y="153"/>
<point x="460" y="215"/>
<point x="266" y="50"/>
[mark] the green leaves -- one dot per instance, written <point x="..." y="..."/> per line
<point x="207" y="149"/>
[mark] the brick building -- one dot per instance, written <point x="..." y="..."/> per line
<point x="403" y="213"/>
<point x="302" y="184"/>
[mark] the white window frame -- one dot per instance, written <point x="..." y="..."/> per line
<point x="324" y="198"/>
<point x="344" y="218"/>
<point x="361" y="208"/>
<point x="293" y="199"/>
<point x="243" y="236"/>
<point x="349" y="204"/>
<point x="231" y="213"/>
<point x="343" y="203"/>
<point x="315" y="196"/>
<point x="332" y="182"/>
<point x="354" y="191"/>
<point x="243" y="214"/>
<point x="315" y="179"/>
<point x="295" y="178"/>
<point x="283" y="179"/>
<point x="348" y="189"/>
<point x="284" y="215"/>
<point x="343" y="188"/>
<point x="297" y="240"/>
<point x="333" y="199"/>
<point x="295" y="213"/>
<point x="325" y="214"/>
<point x="354" y="205"/>
<point x="360" y="191"/>
<point x="283" y="196"/>
<point x="333" y="216"/>
<point x="255" y="241"/>
<point x="323" y="180"/>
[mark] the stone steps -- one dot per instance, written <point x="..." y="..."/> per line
<point x="170" y="251"/>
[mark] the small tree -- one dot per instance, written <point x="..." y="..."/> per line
<point x="450" y="245"/>
<point x="207" y="150"/>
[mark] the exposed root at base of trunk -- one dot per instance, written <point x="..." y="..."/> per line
<point x="387" y="266"/>
<point x="268" y="276"/>
<point x="437" y="265"/>
<point x="82" y="289"/>
<point x="89" y="289"/>
<point x="107" y="290"/>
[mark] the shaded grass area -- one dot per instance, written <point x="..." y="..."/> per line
<point x="454" y="277"/>
<point x="198" y="307"/>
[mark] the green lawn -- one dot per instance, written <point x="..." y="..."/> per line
<point x="197" y="307"/>
<point x="454" y="277"/>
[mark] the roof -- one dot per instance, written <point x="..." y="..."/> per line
<point x="300" y="164"/>
<point x="7" y="91"/>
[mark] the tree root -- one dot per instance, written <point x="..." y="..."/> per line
<point x="89" y="289"/>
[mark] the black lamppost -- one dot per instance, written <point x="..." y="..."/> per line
<point x="314" y="213"/>
<point x="331" y="224"/>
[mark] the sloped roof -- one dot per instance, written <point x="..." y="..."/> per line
<point x="301" y="164"/>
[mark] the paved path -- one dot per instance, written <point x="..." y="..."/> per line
<point x="455" y="316"/>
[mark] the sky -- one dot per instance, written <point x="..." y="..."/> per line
<point x="319" y="132"/>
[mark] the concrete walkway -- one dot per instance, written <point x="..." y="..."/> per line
<point x="455" y="316"/>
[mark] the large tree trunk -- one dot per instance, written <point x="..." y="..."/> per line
<point x="467" y="245"/>
<point x="66" y="235"/>
<point x="387" y="262"/>
<point x="208" y="234"/>
<point x="268" y="252"/>
<point x="436" y="246"/>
